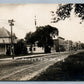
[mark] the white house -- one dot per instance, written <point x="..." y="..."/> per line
<point x="35" y="48"/>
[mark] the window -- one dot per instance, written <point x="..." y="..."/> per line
<point x="34" y="49"/>
<point x="30" y="49"/>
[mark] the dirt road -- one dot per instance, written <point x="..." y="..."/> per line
<point x="25" y="69"/>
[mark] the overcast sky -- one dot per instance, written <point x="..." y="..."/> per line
<point x="24" y="15"/>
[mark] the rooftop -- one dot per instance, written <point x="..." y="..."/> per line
<point x="4" y="33"/>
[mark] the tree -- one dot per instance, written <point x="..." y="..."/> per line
<point x="64" y="11"/>
<point x="30" y="39"/>
<point x="43" y="36"/>
<point x="82" y="45"/>
<point x="20" y="47"/>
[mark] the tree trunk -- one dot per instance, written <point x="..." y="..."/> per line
<point x="47" y="49"/>
<point x="31" y="48"/>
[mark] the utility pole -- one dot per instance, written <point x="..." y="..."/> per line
<point x="35" y="23"/>
<point x="11" y="23"/>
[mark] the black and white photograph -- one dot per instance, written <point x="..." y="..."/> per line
<point x="42" y="42"/>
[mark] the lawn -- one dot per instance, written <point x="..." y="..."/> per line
<point x="71" y="69"/>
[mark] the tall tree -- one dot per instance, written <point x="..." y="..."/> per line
<point x="44" y="37"/>
<point x="30" y="39"/>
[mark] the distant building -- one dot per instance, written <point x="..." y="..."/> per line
<point x="68" y="45"/>
<point x="5" y="40"/>
<point x="58" y="44"/>
<point x="35" y="48"/>
<point x="79" y="45"/>
<point x="61" y="43"/>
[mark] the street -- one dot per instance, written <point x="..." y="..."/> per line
<point x="27" y="68"/>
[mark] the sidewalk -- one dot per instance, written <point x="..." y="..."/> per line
<point x="31" y="56"/>
<point x="37" y="55"/>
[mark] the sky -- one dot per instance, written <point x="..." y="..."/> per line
<point x="24" y="17"/>
<point x="41" y="1"/>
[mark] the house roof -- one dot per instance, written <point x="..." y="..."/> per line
<point x="4" y="33"/>
<point x="5" y="36"/>
<point x="61" y="38"/>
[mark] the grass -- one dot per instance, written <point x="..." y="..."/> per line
<point x="72" y="69"/>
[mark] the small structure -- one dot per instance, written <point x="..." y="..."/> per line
<point x="35" y="48"/>
<point x="5" y="40"/>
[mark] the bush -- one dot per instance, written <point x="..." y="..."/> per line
<point x="20" y="48"/>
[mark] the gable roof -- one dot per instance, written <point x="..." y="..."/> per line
<point x="4" y="33"/>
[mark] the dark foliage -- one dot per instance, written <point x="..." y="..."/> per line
<point x="20" y="48"/>
<point x="61" y="48"/>
<point x="82" y="45"/>
<point x="79" y="10"/>
<point x="30" y="38"/>
<point x="74" y="66"/>
<point x="43" y="36"/>
<point x="64" y="11"/>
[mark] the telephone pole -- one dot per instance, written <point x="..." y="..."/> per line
<point x="35" y="23"/>
<point x="11" y="23"/>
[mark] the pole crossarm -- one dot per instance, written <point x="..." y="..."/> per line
<point x="11" y="22"/>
